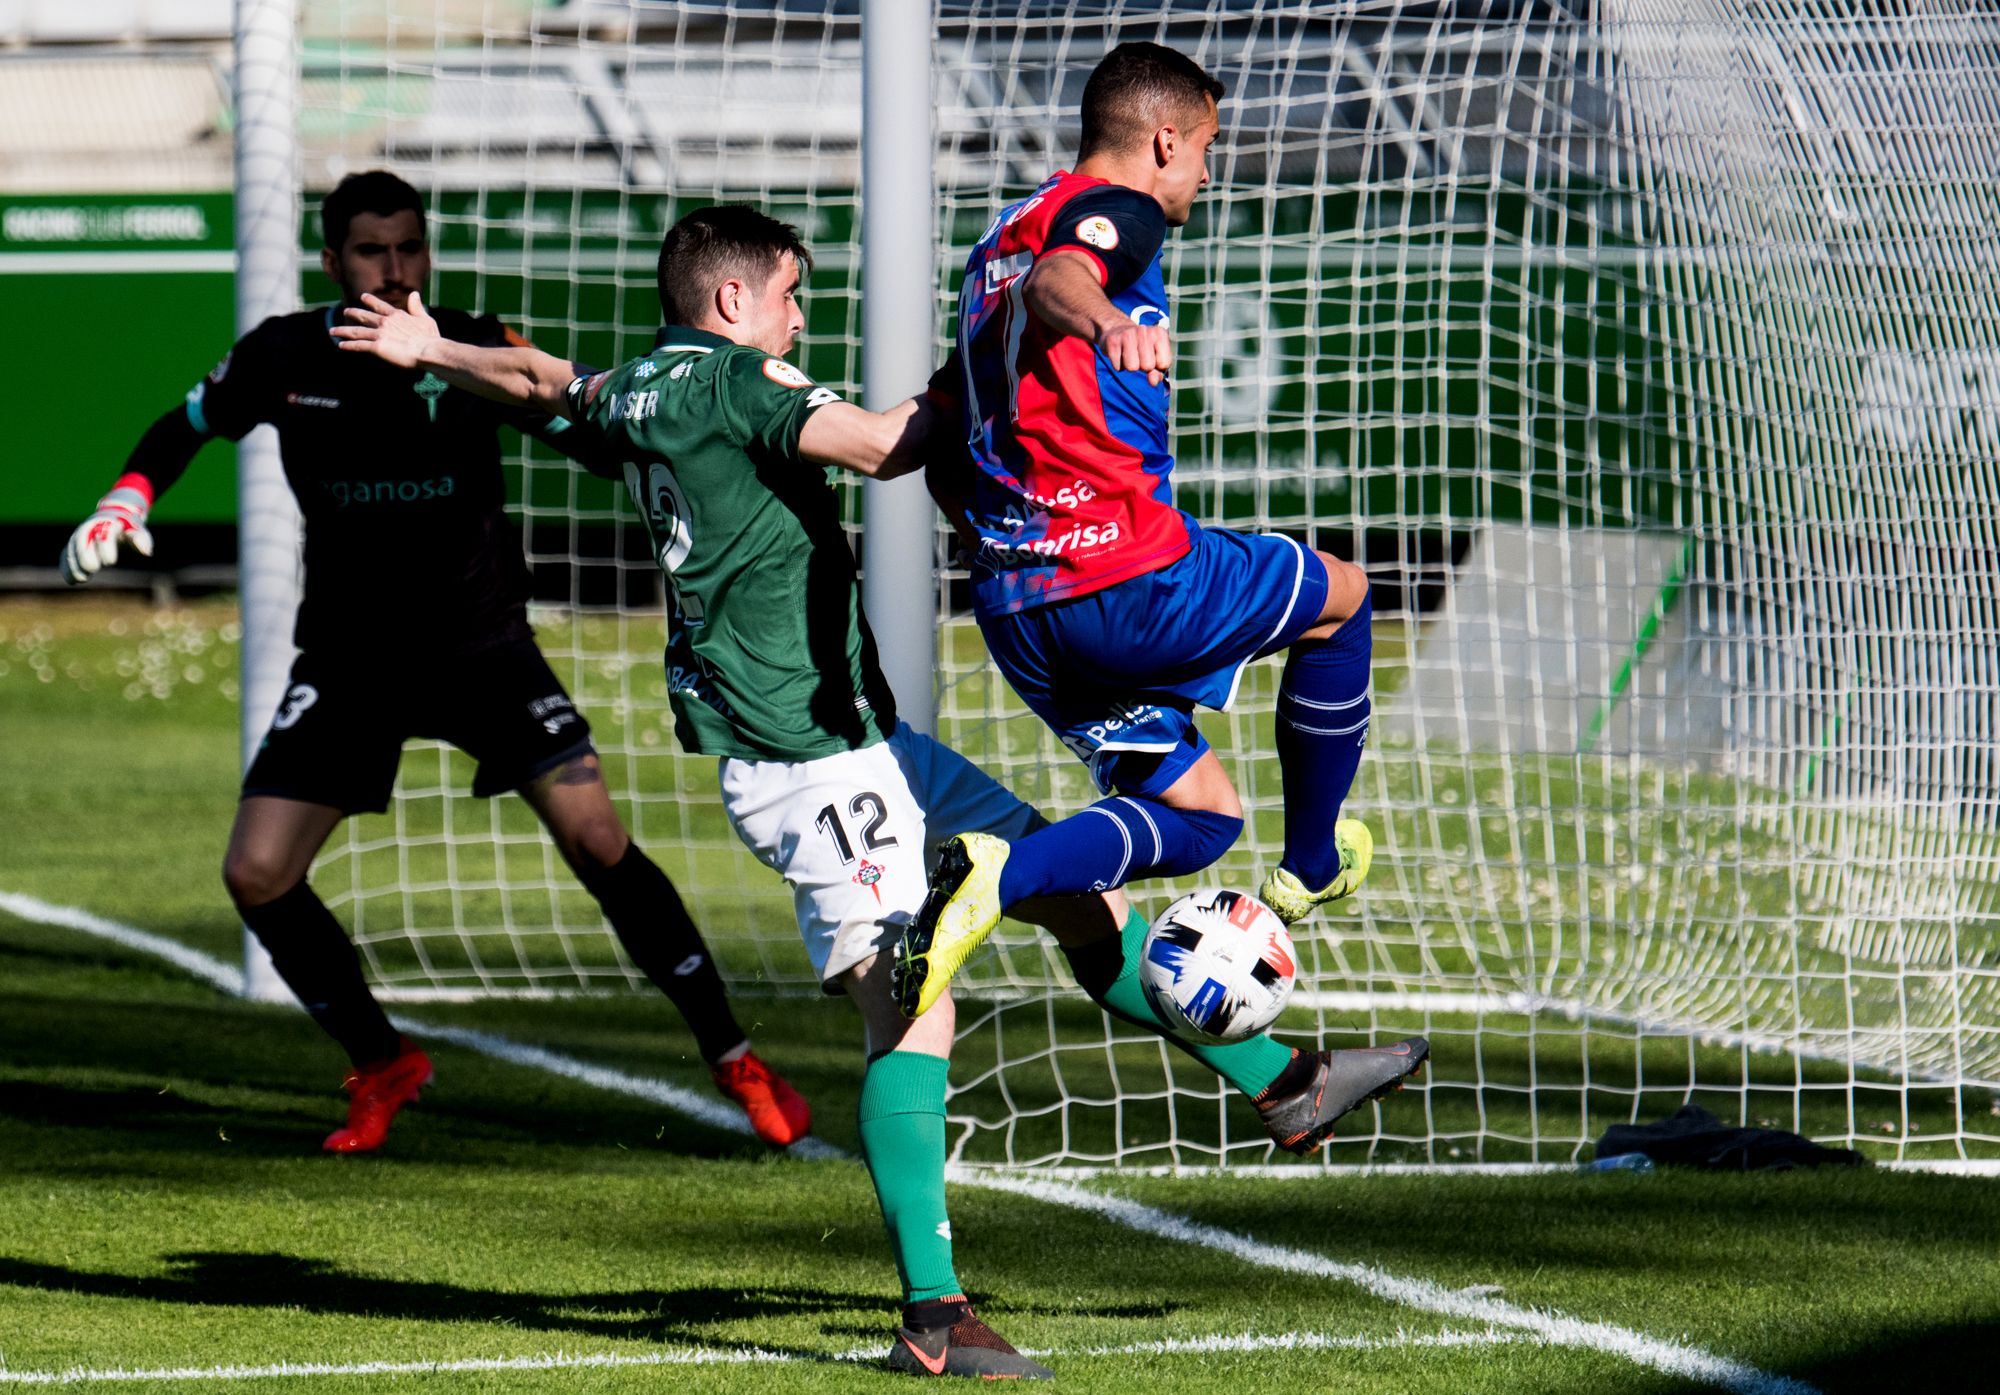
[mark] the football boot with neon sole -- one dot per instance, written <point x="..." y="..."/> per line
<point x="1294" y="901"/>
<point x="777" y="1112"/>
<point x="959" y="912"/>
<point x="1341" y="1081"/>
<point x="375" y="1093"/>
<point x="942" y="1337"/>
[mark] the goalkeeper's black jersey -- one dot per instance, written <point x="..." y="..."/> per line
<point x="407" y="544"/>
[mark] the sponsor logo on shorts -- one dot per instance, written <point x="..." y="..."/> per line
<point x="554" y="712"/>
<point x="306" y="399"/>
<point x="221" y="370"/>
<point x="1121" y="720"/>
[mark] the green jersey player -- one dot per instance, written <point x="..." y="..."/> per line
<point x="772" y="670"/>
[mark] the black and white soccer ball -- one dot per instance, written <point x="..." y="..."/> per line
<point x="1218" y="966"/>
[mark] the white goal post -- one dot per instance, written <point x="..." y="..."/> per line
<point x="1646" y="352"/>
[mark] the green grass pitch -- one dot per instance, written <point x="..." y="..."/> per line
<point x="163" y="1206"/>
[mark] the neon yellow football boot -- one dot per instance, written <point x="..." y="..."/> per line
<point x="1293" y="901"/>
<point x="959" y="913"/>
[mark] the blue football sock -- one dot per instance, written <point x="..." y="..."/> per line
<point x="1114" y="841"/>
<point x="1322" y="726"/>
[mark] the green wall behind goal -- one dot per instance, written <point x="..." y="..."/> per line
<point x="1392" y="365"/>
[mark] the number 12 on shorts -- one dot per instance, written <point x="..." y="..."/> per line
<point x="865" y="805"/>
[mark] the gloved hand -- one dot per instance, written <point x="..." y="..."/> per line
<point x="121" y="515"/>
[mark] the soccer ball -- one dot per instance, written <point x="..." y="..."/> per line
<point x="1218" y="966"/>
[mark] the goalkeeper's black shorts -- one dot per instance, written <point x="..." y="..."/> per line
<point x="339" y="731"/>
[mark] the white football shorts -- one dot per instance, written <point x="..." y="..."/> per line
<point x="852" y="833"/>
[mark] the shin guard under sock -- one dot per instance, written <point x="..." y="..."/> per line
<point x="1323" y="714"/>
<point x="903" y="1143"/>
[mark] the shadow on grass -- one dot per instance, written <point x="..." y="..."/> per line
<point x="1954" y="1356"/>
<point x="668" y="1316"/>
<point x="147" y="1081"/>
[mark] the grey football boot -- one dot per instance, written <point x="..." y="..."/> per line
<point x="1341" y="1081"/>
<point x="942" y="1337"/>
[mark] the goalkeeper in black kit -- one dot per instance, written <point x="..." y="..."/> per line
<point x="413" y="623"/>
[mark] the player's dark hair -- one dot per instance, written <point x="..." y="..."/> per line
<point x="375" y="191"/>
<point x="710" y="245"/>
<point x="1133" y="86"/>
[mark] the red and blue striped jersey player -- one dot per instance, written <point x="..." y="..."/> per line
<point x="1111" y="612"/>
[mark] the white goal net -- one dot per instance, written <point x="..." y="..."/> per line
<point x="1645" y="351"/>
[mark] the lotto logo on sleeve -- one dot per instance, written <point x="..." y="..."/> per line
<point x="1099" y="232"/>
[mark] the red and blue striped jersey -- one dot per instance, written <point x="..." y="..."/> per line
<point x="1071" y="491"/>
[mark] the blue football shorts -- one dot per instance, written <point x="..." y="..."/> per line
<point x="1118" y="673"/>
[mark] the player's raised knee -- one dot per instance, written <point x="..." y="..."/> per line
<point x="1210" y="834"/>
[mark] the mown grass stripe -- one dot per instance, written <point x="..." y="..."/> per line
<point x="1554" y="1328"/>
<point x="705" y="1356"/>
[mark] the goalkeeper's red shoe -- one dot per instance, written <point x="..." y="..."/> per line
<point x="777" y="1112"/>
<point x="375" y="1093"/>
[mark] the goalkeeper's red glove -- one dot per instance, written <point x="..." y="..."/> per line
<point x="121" y="515"/>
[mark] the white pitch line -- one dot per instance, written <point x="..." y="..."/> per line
<point x="227" y="977"/>
<point x="705" y="1356"/>
<point x="702" y="1109"/>
<point x="1675" y="1358"/>
<point x="1551" y="1327"/>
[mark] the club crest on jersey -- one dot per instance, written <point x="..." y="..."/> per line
<point x="869" y="875"/>
<point x="1099" y="232"/>
<point x="784" y="375"/>
<point x="431" y="387"/>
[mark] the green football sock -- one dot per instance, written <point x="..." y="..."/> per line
<point x="1108" y="970"/>
<point x="902" y="1139"/>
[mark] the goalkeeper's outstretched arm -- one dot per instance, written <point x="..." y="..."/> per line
<point x="524" y="376"/>
<point x="160" y="458"/>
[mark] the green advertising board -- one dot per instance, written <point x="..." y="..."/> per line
<point x="115" y="305"/>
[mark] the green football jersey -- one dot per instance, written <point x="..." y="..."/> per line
<point x="770" y="657"/>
